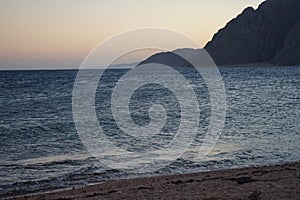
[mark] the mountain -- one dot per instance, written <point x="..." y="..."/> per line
<point x="266" y="35"/>
<point x="171" y="58"/>
<point x="270" y="35"/>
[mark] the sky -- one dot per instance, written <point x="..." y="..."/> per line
<point x="50" y="34"/>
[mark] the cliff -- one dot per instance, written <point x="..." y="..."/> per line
<point x="270" y="35"/>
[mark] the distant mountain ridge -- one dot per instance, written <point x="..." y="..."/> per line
<point x="170" y="58"/>
<point x="270" y="35"/>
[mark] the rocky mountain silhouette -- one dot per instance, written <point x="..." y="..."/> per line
<point x="171" y="58"/>
<point x="268" y="35"/>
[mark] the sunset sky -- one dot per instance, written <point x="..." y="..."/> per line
<point x="59" y="33"/>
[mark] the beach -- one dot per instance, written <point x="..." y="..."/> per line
<point x="150" y="100"/>
<point x="268" y="182"/>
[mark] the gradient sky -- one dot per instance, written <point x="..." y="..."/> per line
<point x="59" y="33"/>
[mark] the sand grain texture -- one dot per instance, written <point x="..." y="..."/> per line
<point x="272" y="182"/>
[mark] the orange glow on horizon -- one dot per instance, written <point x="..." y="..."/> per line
<point x="62" y="32"/>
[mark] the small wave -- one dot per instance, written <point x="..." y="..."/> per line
<point x="49" y="160"/>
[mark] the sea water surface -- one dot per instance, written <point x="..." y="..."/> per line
<point x="40" y="149"/>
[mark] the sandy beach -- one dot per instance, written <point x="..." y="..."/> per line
<point x="270" y="182"/>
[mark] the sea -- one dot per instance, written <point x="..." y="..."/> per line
<point x="40" y="149"/>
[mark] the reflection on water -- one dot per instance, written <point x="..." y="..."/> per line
<point x="40" y="149"/>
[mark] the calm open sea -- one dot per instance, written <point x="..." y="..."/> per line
<point x="40" y="149"/>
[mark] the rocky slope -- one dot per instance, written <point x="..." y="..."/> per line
<point x="269" y="34"/>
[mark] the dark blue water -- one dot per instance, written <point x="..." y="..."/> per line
<point x="40" y="149"/>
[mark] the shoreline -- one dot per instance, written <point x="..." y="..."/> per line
<point x="266" y="182"/>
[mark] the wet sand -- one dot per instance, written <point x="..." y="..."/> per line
<point x="271" y="182"/>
